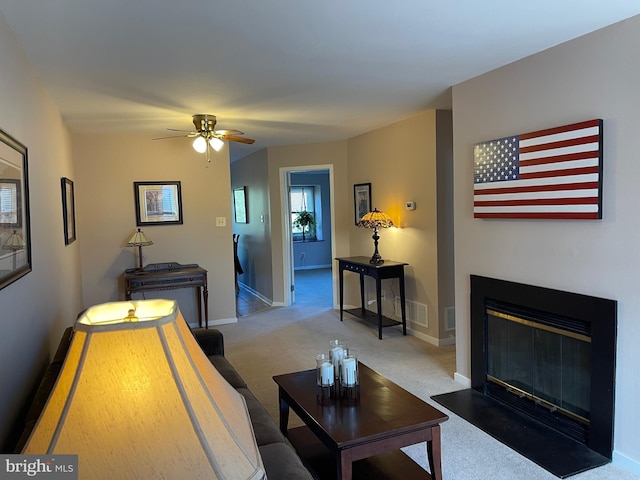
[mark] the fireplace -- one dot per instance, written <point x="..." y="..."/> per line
<point x="544" y="359"/>
<point x="541" y="365"/>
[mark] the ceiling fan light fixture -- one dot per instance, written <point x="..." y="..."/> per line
<point x="200" y="144"/>
<point x="216" y="143"/>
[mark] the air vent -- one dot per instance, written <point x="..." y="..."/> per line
<point x="449" y="319"/>
<point x="416" y="312"/>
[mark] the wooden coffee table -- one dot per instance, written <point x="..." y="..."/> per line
<point x="340" y="435"/>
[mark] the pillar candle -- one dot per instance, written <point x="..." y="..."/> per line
<point x="349" y="371"/>
<point x="326" y="374"/>
<point x="337" y="353"/>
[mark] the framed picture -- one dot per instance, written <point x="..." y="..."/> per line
<point x="361" y="200"/>
<point x="68" y="211"/>
<point x="240" y="204"/>
<point x="158" y="203"/>
<point x="15" y="226"/>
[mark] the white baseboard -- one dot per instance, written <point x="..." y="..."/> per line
<point x="219" y="321"/>
<point x="625" y="462"/>
<point x="312" y="267"/>
<point x="259" y="295"/>
<point x="438" y="342"/>
<point x="462" y="380"/>
<point x="224" y="321"/>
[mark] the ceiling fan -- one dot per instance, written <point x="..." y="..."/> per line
<point x="207" y="136"/>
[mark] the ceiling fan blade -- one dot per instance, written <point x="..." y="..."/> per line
<point x="177" y="130"/>
<point x="233" y="138"/>
<point x="228" y="132"/>
<point x="171" y="136"/>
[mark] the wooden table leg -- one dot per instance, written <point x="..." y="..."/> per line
<point x="363" y="307"/>
<point x="284" y="413"/>
<point x="205" y="299"/>
<point x="199" y="302"/>
<point x="379" y="303"/>
<point x="341" y="281"/>
<point x="434" y="453"/>
<point x="344" y="465"/>
<point x="403" y="307"/>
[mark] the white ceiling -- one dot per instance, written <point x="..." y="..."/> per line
<point x="283" y="71"/>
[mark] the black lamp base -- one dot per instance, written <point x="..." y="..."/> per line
<point x="140" y="257"/>
<point x="376" y="258"/>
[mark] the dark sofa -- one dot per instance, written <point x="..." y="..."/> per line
<point x="280" y="460"/>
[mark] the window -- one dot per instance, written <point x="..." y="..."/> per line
<point x="9" y="203"/>
<point x="303" y="198"/>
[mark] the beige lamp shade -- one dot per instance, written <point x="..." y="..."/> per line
<point x="137" y="398"/>
<point x="139" y="239"/>
<point x="14" y="242"/>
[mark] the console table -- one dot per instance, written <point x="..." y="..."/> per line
<point x="169" y="276"/>
<point x="388" y="269"/>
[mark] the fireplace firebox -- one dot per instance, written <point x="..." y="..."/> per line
<point x="543" y="361"/>
<point x="541" y="365"/>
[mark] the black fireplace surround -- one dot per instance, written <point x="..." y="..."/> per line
<point x="539" y="433"/>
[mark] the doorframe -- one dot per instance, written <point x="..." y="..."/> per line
<point x="287" y="242"/>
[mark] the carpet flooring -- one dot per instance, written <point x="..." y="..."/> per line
<point x="287" y="339"/>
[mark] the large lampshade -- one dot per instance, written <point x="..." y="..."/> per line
<point x="137" y="398"/>
<point x="375" y="220"/>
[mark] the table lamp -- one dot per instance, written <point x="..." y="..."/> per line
<point x="375" y="220"/>
<point x="139" y="239"/>
<point x="137" y="398"/>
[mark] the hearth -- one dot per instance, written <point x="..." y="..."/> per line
<point x="542" y="371"/>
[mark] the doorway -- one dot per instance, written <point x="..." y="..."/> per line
<point x="309" y="251"/>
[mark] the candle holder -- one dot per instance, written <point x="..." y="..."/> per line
<point x="325" y="378"/>
<point x="349" y="381"/>
<point x="336" y="353"/>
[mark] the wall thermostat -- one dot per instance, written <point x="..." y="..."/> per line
<point x="410" y="205"/>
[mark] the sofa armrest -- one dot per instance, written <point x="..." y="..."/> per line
<point x="210" y="340"/>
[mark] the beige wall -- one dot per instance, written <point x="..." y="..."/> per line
<point x="444" y="174"/>
<point x="254" y="246"/>
<point x="107" y="166"/>
<point x="36" y="308"/>
<point x="596" y="76"/>
<point x="400" y="162"/>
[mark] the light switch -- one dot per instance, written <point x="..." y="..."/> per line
<point x="221" y="221"/>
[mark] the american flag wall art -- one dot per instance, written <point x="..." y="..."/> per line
<point x="549" y="174"/>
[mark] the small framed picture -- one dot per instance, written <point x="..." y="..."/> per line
<point x="158" y="203"/>
<point x="240" y="204"/>
<point x="361" y="200"/>
<point x="68" y="210"/>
